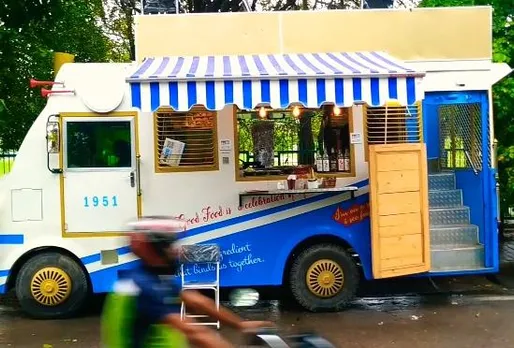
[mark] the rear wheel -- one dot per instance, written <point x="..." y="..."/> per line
<point x="51" y="286"/>
<point x="324" y="277"/>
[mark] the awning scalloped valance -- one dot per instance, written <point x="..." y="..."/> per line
<point x="310" y="79"/>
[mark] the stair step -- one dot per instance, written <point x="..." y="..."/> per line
<point x="441" y="181"/>
<point x="457" y="257"/>
<point x="449" y="216"/>
<point x="445" y="198"/>
<point x="453" y="235"/>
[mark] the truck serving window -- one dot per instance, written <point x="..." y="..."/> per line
<point x="275" y="143"/>
<point x="94" y="144"/>
<point x="186" y="141"/>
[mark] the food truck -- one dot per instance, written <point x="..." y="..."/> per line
<point x="312" y="162"/>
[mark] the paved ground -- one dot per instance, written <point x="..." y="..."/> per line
<point x="440" y="312"/>
<point x="460" y="312"/>
<point x="465" y="321"/>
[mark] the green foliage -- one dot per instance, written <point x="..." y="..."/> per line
<point x="30" y="31"/>
<point x="118" y="21"/>
<point x="503" y="92"/>
<point x="3" y="108"/>
<point x="292" y="5"/>
<point x="503" y="99"/>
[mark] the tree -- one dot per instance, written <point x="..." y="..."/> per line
<point x="290" y="5"/>
<point x="119" y="19"/>
<point x="503" y="92"/>
<point x="503" y="99"/>
<point x="118" y="22"/>
<point x="30" y="31"/>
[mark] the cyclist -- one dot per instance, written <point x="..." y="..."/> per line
<point x="144" y="308"/>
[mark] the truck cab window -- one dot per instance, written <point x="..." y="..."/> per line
<point x="93" y="144"/>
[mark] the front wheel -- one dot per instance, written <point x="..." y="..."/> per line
<point x="51" y="285"/>
<point x="324" y="277"/>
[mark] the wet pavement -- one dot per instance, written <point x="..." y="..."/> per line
<point x="420" y="312"/>
<point x="448" y="312"/>
<point x="372" y="323"/>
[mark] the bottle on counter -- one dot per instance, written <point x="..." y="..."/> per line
<point x="326" y="162"/>
<point x="319" y="162"/>
<point x="340" y="162"/>
<point x="333" y="161"/>
<point x="347" y="166"/>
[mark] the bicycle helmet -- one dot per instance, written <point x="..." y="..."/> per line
<point x="152" y="240"/>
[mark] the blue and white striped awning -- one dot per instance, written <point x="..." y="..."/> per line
<point x="277" y="80"/>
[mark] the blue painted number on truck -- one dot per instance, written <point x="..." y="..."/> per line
<point x="105" y="201"/>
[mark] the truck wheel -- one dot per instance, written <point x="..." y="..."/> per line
<point x="324" y="278"/>
<point x="51" y="286"/>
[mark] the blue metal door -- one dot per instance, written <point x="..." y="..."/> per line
<point x="456" y="131"/>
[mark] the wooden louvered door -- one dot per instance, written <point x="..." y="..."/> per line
<point x="400" y="235"/>
<point x="399" y="210"/>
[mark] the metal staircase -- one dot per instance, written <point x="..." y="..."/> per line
<point x="454" y="240"/>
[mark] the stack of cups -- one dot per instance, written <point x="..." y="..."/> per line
<point x="291" y="182"/>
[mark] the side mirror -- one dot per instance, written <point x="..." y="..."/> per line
<point x="52" y="137"/>
<point x="53" y="143"/>
<point x="244" y="297"/>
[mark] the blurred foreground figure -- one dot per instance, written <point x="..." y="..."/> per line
<point x="144" y="308"/>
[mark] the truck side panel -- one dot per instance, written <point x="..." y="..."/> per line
<point x="255" y="250"/>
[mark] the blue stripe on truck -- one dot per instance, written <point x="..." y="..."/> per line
<point x="11" y="239"/>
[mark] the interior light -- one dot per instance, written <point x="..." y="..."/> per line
<point x="337" y="110"/>
<point x="296" y="111"/>
<point x="262" y="112"/>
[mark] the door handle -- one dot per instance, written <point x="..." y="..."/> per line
<point x="132" y="179"/>
<point x="138" y="171"/>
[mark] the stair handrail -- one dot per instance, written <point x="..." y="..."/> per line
<point x="468" y="157"/>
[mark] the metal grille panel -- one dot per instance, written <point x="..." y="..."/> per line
<point x="186" y="139"/>
<point x="488" y="154"/>
<point x="393" y="125"/>
<point x="461" y="136"/>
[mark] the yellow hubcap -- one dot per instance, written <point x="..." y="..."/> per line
<point x="50" y="286"/>
<point x="325" y="278"/>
